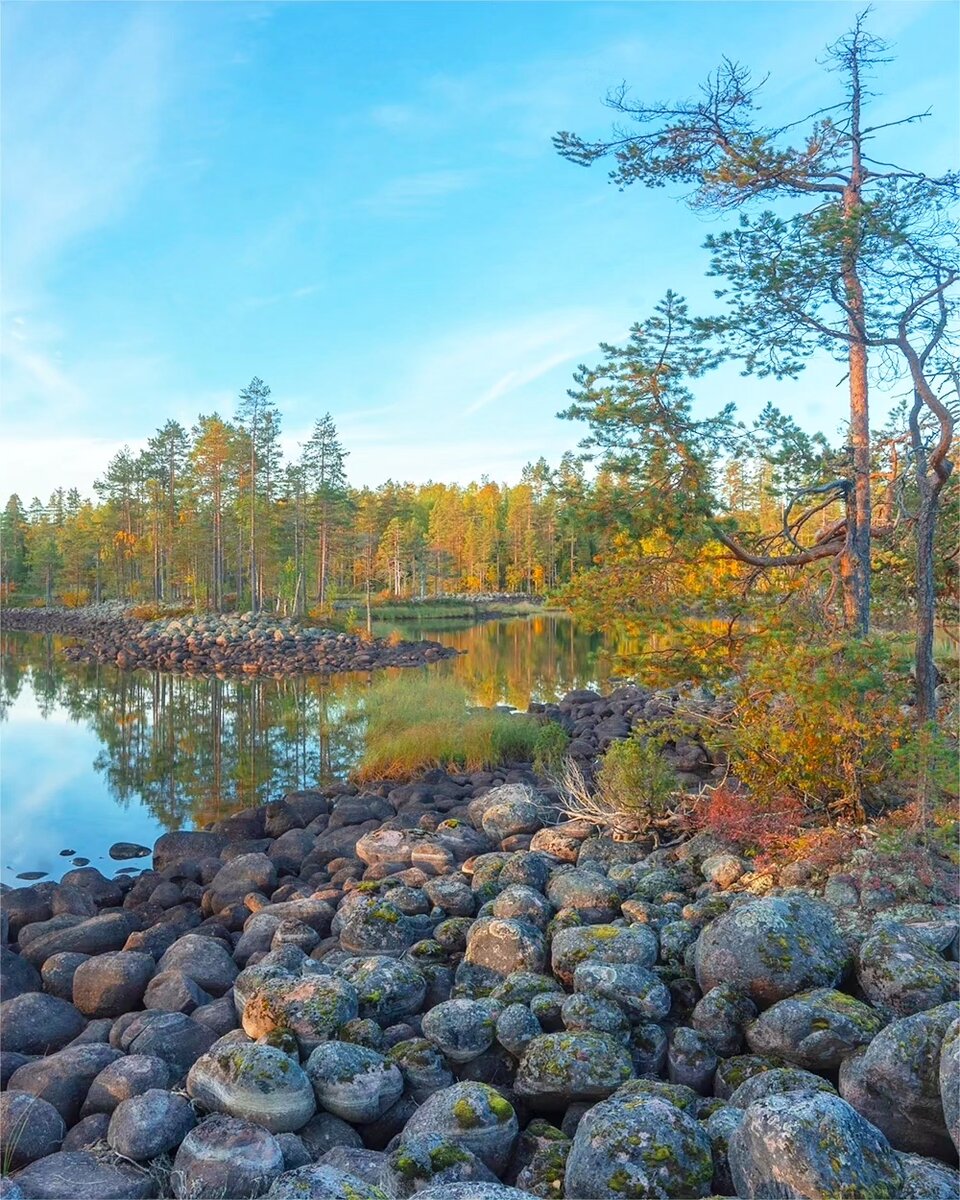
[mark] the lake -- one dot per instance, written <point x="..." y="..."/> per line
<point x="92" y="755"/>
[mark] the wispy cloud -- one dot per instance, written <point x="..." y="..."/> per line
<point x="79" y="141"/>
<point x="412" y="193"/>
<point x="480" y="365"/>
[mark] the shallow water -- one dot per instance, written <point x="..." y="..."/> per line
<point x="90" y="755"/>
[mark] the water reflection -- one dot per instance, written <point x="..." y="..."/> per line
<point x="92" y="755"/>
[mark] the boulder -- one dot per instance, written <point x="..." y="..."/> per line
<point x="474" y="1116"/>
<point x="901" y="974"/>
<point x="112" y="983"/>
<point x="810" y="1144"/>
<point x="558" y="1069"/>
<point x="224" y="1156"/>
<point x="30" y="1128"/>
<point x="153" y="1123"/>
<point x="636" y="945"/>
<point x="34" y="1023"/>
<point x="640" y="1145"/>
<point x="815" y="1029"/>
<point x="894" y="1082"/>
<point x="772" y="949"/>
<point x="84" y="1176"/>
<point x="254" y="1082"/>
<point x="353" y="1082"/>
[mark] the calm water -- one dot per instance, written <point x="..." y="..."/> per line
<point x="92" y="755"/>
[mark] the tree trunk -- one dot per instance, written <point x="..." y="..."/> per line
<point x="926" y="672"/>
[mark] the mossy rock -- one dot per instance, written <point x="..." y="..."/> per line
<point x="558" y="1069"/>
<point x="815" y="1029"/>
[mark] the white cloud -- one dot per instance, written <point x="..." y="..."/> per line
<point x="412" y="193"/>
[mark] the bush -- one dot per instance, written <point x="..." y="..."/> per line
<point x="747" y="819"/>
<point x="551" y="748"/>
<point x="634" y="788"/>
<point x="822" y="724"/>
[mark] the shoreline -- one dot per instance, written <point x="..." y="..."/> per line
<point x="219" y="643"/>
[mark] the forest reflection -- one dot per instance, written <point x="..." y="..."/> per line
<point x="192" y="749"/>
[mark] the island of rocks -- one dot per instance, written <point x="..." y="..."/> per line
<point x="445" y="989"/>
<point x="222" y="644"/>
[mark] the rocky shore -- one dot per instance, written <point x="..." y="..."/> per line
<point x="443" y="989"/>
<point x="222" y="644"/>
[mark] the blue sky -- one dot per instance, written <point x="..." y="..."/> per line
<point x="360" y="203"/>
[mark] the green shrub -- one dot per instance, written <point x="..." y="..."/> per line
<point x="634" y="779"/>
<point x="551" y="748"/>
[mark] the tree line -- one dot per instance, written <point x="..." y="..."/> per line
<point x="214" y="518"/>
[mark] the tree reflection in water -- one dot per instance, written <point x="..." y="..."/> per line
<point x="192" y="749"/>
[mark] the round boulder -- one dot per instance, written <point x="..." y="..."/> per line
<point x="810" y="1144"/>
<point x="145" y="1126"/>
<point x="638" y="1146"/>
<point x="559" y="1069"/>
<point x="353" y="1082"/>
<point x="472" y="1115"/>
<point x="772" y="949"/>
<point x="224" y="1156"/>
<point x="815" y="1029"/>
<point x="30" y="1128"/>
<point x="254" y="1082"/>
<point x="111" y="984"/>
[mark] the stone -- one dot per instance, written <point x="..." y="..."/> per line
<point x="365" y="1164"/>
<point x="97" y="935"/>
<point x="17" y="976"/>
<point x="691" y="1060"/>
<point x="30" y="1128"/>
<point x="776" y="1082"/>
<point x="153" y="1123"/>
<point x="246" y="873"/>
<point x="810" y="1144"/>
<point x="172" y="991"/>
<point x="124" y="1078"/>
<point x="505" y="815"/>
<point x="636" y="946"/>
<point x="472" y="1191"/>
<point x="461" y="1029"/>
<point x="321" y="1182"/>
<point x="58" y="972"/>
<point x="423" y="1067"/>
<point x="722" y="869"/>
<point x="175" y="1038"/>
<point x="927" y="1179"/>
<point x="112" y="983"/>
<point x="558" y="1069"/>
<point x="63" y="1079"/>
<point x="949" y="1077"/>
<point x="421" y="1160"/>
<point x="772" y="949"/>
<point x="901" y="974"/>
<point x="894" y="1082"/>
<point x="325" y="1131"/>
<point x="121" y="851"/>
<point x="224" y="1156"/>
<point x="642" y="995"/>
<point x="34" y="1023"/>
<point x="353" y="1082"/>
<point x="721" y="1016"/>
<point x="388" y="989"/>
<point x="204" y="960"/>
<point x="186" y="845"/>
<point x="375" y="926"/>
<point x="313" y="1008"/>
<point x="639" y="1145"/>
<point x="516" y="1028"/>
<point x="87" y="1132"/>
<point x="585" y="1012"/>
<point x="254" y="1082"/>
<point x="591" y="895"/>
<point x="505" y="945"/>
<point x="474" y="1116"/>
<point x="84" y="1176"/>
<point x="815" y="1029"/>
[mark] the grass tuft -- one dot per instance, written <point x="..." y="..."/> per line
<point x="415" y="724"/>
